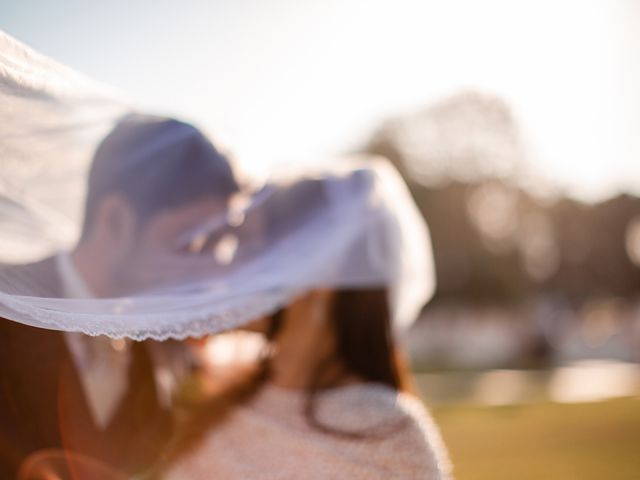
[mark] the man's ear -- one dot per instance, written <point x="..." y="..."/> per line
<point x="115" y="225"/>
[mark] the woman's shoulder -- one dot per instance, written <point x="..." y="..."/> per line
<point x="378" y="400"/>
<point x="368" y="424"/>
<point x="422" y="435"/>
<point x="406" y="426"/>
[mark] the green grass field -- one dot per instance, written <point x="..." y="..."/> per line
<point x="589" y="441"/>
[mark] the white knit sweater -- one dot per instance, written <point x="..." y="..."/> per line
<point x="269" y="438"/>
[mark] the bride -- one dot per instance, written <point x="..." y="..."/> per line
<point x="334" y="400"/>
<point x="330" y="397"/>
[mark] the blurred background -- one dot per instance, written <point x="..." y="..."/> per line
<point x="515" y="125"/>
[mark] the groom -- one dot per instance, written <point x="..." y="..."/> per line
<point x="152" y="179"/>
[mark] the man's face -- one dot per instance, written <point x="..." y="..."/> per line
<point x="168" y="249"/>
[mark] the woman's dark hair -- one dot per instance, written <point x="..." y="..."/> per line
<point x="362" y="322"/>
<point x="364" y="345"/>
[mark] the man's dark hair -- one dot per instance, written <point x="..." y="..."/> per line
<point x="156" y="163"/>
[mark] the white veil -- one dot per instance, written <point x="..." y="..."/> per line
<point x="350" y="224"/>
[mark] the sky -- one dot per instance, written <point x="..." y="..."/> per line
<point x="289" y="80"/>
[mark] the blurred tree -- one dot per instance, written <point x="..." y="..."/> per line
<point x="595" y="261"/>
<point x="466" y="137"/>
<point x="495" y="242"/>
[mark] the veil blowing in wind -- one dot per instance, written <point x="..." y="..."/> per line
<point x="122" y="233"/>
<point x="54" y="154"/>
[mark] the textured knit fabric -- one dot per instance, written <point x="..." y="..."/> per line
<point x="269" y="438"/>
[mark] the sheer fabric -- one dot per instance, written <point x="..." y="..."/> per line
<point x="176" y="264"/>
